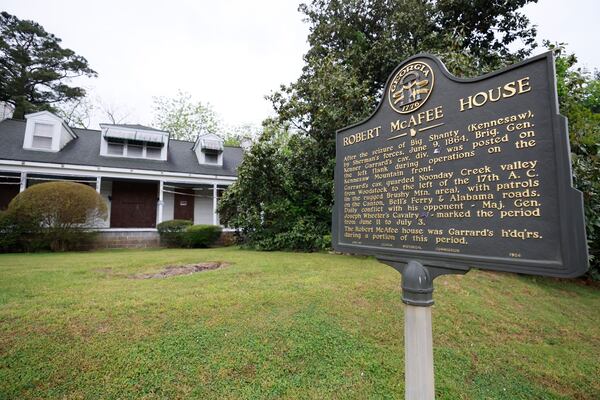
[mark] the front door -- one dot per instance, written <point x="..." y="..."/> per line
<point x="133" y="205"/>
<point x="184" y="204"/>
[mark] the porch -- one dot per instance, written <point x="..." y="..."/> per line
<point x="134" y="205"/>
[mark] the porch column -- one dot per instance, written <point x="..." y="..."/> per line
<point x="215" y="215"/>
<point x="98" y="183"/>
<point x="159" y="217"/>
<point x="23" y="184"/>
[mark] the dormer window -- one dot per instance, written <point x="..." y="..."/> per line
<point x="46" y="132"/>
<point x="211" y="158"/>
<point x="133" y="141"/>
<point x="209" y="149"/>
<point x="153" y="150"/>
<point x="115" y="148"/>
<point x="42" y="136"/>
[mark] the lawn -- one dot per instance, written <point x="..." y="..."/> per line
<point x="281" y="325"/>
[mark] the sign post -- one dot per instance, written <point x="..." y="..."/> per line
<point x="450" y="174"/>
<point x="417" y="294"/>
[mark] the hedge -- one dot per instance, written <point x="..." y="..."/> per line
<point x="54" y="216"/>
<point x="181" y="233"/>
<point x="172" y="233"/>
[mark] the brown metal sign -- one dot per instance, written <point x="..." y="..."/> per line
<point x="460" y="173"/>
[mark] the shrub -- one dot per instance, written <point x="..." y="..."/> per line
<point x="202" y="235"/>
<point x="282" y="198"/>
<point x="326" y="242"/>
<point x="54" y="215"/>
<point x="172" y="233"/>
<point x="9" y="233"/>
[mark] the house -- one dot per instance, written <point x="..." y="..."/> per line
<point x="145" y="176"/>
<point x="6" y="110"/>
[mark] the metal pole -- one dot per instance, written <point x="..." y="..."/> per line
<point x="418" y="357"/>
<point x="23" y="182"/>
<point x="161" y="201"/>
<point x="215" y="215"/>
<point x="417" y="294"/>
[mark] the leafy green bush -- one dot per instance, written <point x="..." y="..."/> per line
<point x="281" y="200"/>
<point x="202" y="235"/>
<point x="579" y="98"/>
<point x="10" y="233"/>
<point x="54" y="216"/>
<point x="172" y="233"/>
<point x="326" y="242"/>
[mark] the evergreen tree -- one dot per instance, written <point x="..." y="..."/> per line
<point x="35" y="69"/>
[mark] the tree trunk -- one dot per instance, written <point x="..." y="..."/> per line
<point x="22" y="107"/>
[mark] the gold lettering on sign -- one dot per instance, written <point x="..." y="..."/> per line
<point x="417" y="119"/>
<point x="361" y="136"/>
<point x="505" y="91"/>
<point x="440" y="180"/>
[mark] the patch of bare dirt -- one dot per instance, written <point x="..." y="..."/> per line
<point x="176" y="270"/>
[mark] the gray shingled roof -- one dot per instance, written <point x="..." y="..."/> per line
<point x="134" y="126"/>
<point x="85" y="150"/>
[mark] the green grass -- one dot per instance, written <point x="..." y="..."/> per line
<point x="281" y="325"/>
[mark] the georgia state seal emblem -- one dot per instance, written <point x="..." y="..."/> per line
<point x="411" y="87"/>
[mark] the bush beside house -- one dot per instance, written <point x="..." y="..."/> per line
<point x="172" y="233"/>
<point x="181" y="233"/>
<point x="55" y="216"/>
<point x="202" y="235"/>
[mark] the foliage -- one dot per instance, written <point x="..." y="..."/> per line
<point x="276" y="186"/>
<point x="172" y="233"/>
<point x="184" y="118"/>
<point x="182" y="233"/>
<point x="579" y="100"/>
<point x="237" y="134"/>
<point x="34" y="68"/>
<point x="202" y="235"/>
<point x="20" y="233"/>
<point x="355" y="45"/>
<point x="282" y="326"/>
<point x="283" y="197"/>
<point x="62" y="212"/>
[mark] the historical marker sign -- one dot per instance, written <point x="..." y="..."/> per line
<point x="462" y="173"/>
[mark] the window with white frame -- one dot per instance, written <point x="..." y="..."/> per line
<point x="211" y="158"/>
<point x="133" y="149"/>
<point x="153" y="150"/>
<point x="42" y="136"/>
<point x="115" y="148"/>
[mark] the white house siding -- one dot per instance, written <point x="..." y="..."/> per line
<point x="105" y="191"/>
<point x="65" y="137"/>
<point x="168" y="207"/>
<point x="203" y="210"/>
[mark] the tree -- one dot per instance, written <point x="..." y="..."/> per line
<point x="362" y="42"/>
<point x="35" y="69"/>
<point x="114" y="112"/>
<point x="77" y="112"/>
<point x="183" y="117"/>
<point x="579" y="101"/>
<point x="354" y="46"/>
<point x="235" y="135"/>
<point x="276" y="185"/>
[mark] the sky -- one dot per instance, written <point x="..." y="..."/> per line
<point x="229" y="53"/>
